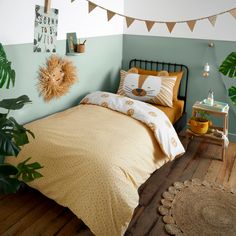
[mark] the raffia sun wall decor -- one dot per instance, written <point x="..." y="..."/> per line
<point x="56" y="78"/>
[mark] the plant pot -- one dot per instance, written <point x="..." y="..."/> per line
<point x="199" y="126"/>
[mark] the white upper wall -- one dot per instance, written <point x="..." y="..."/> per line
<point x="177" y="10"/>
<point x="17" y="19"/>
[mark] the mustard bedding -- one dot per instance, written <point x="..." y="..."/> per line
<point x="94" y="161"/>
<point x="173" y="113"/>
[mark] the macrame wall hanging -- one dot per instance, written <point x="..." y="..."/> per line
<point x="56" y="78"/>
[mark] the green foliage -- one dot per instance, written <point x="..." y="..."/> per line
<point x="232" y="94"/>
<point x="13" y="136"/>
<point x="201" y="116"/>
<point x="7" y="74"/>
<point x="228" y="68"/>
<point x="15" y="103"/>
<point x="27" y="172"/>
<point x="8" y="182"/>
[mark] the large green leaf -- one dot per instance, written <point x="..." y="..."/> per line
<point x="232" y="94"/>
<point x="7" y="146"/>
<point x="7" y="74"/>
<point x="28" y="171"/>
<point x="228" y="66"/>
<point x="15" y="103"/>
<point x="8" y="170"/>
<point x="8" y="181"/>
<point x="9" y="185"/>
<point x="2" y="158"/>
<point x="19" y="133"/>
<point x="12" y="136"/>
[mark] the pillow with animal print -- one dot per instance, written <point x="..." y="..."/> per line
<point x="147" y="88"/>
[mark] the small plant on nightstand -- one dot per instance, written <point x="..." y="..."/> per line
<point x="200" y="122"/>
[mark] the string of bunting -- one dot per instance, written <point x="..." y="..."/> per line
<point x="150" y="23"/>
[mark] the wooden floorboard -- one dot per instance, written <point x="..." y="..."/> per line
<point x="30" y="213"/>
<point x="200" y="161"/>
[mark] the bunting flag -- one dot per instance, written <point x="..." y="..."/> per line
<point x="212" y="20"/>
<point x="170" y="26"/>
<point x="149" y="23"/>
<point x="191" y="24"/>
<point x="110" y="14"/>
<point x="91" y="6"/>
<point x="129" y="21"/>
<point x="233" y="13"/>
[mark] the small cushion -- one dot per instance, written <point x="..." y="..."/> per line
<point x="178" y="75"/>
<point x="147" y="88"/>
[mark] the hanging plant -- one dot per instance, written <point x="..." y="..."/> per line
<point x="228" y="68"/>
<point x="56" y="78"/>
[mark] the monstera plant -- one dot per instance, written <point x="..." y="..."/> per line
<point x="13" y="135"/>
<point x="228" y="68"/>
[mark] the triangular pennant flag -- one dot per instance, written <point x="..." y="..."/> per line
<point x="212" y="20"/>
<point x="170" y="26"/>
<point x="233" y="13"/>
<point x="129" y="21"/>
<point x="149" y="24"/>
<point x="110" y="14"/>
<point x="191" y="24"/>
<point x="91" y="6"/>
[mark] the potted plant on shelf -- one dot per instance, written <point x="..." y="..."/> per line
<point x="228" y="68"/>
<point x="13" y="135"/>
<point x="200" y="123"/>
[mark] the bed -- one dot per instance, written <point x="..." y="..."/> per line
<point x="97" y="154"/>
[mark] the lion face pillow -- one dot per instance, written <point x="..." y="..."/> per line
<point x="147" y="88"/>
<point x="141" y="87"/>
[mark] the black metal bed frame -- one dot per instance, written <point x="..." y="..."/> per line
<point x="170" y="67"/>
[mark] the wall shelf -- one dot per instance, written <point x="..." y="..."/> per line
<point x="73" y="53"/>
<point x="73" y="48"/>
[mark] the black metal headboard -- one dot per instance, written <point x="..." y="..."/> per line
<point x="170" y="67"/>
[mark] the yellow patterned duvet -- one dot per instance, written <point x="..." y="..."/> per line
<point x="94" y="161"/>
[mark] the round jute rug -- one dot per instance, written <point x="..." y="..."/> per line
<point x="196" y="207"/>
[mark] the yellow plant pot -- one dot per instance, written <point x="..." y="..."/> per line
<point x="199" y="127"/>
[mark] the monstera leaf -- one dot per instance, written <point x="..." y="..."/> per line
<point x="228" y="67"/>
<point x="12" y="136"/>
<point x="7" y="74"/>
<point x="8" y="183"/>
<point x="15" y="103"/>
<point x="10" y="175"/>
<point x="28" y="172"/>
<point x="232" y="94"/>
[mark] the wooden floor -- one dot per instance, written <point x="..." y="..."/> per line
<point x="29" y="213"/>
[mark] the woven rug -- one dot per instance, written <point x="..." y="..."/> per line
<point x="196" y="207"/>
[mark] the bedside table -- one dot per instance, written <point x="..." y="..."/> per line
<point x="210" y="135"/>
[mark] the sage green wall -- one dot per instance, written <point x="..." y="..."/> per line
<point x="98" y="69"/>
<point x="192" y="52"/>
